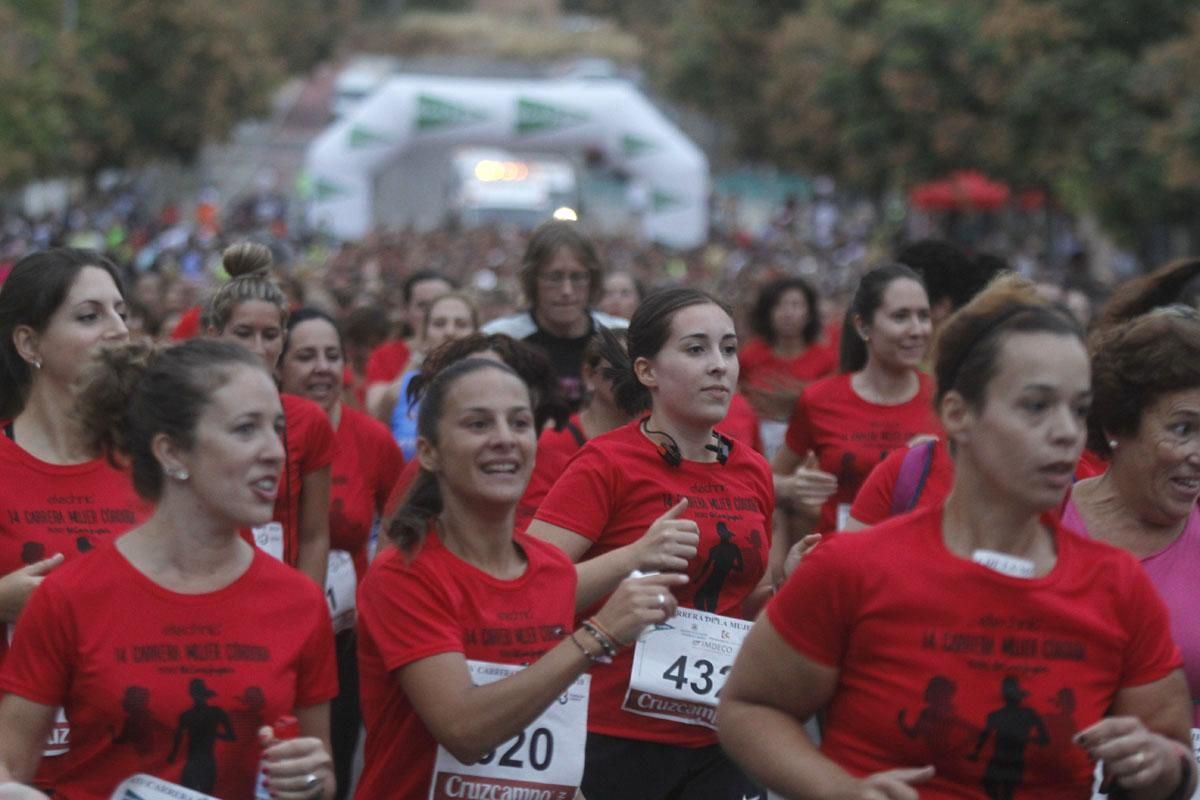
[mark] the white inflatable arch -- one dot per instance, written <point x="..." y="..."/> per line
<point x="385" y="163"/>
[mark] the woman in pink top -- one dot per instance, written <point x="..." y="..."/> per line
<point x="1146" y="418"/>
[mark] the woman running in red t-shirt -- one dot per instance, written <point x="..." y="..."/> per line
<point x="785" y="353"/>
<point x="367" y="464"/>
<point x="844" y="425"/>
<point x="450" y="615"/>
<point x="668" y="492"/>
<point x="975" y="648"/>
<point x="175" y="649"/>
<point x="252" y="311"/>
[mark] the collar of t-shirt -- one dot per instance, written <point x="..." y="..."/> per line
<point x="547" y="334"/>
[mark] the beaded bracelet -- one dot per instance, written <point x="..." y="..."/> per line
<point x="607" y="633"/>
<point x="594" y="658"/>
<point x="610" y="649"/>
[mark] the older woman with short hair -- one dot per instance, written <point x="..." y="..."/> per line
<point x="1145" y="418"/>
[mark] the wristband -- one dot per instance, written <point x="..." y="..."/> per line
<point x="591" y="657"/>
<point x="610" y="649"/>
<point x="606" y="632"/>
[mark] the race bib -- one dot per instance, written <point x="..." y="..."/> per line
<point x="147" y="787"/>
<point x="269" y="539"/>
<point x="680" y="666"/>
<point x="58" y="743"/>
<point x="340" y="585"/>
<point x="843" y="515"/>
<point x="544" y="761"/>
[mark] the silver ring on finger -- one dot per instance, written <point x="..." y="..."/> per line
<point x="311" y="780"/>
<point x="662" y="600"/>
<point x="1139" y="758"/>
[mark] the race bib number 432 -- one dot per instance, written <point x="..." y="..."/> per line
<point x="680" y="666"/>
<point x="542" y="762"/>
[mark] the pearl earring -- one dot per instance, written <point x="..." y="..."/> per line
<point x="179" y="474"/>
<point x="1112" y="444"/>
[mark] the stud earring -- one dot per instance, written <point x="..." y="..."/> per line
<point x="179" y="474"/>
<point x="36" y="364"/>
<point x="1112" y="444"/>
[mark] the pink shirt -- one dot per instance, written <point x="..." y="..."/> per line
<point x="1173" y="571"/>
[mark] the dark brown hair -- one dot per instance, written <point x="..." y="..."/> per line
<point x="868" y="297"/>
<point x="1176" y="282"/>
<point x="544" y="245"/>
<point x="1137" y="362"/>
<point x="423" y="501"/>
<point x="35" y="288"/>
<point x="134" y="392"/>
<point x="648" y="333"/>
<point x="770" y="295"/>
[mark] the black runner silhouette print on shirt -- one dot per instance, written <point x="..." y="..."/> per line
<point x="203" y="724"/>
<point x="723" y="558"/>
<point x="1014" y="727"/>
<point x="948" y="736"/>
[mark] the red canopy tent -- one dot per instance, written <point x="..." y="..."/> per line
<point x="964" y="190"/>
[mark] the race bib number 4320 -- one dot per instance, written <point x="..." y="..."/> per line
<point x="544" y="761"/>
<point x="680" y="666"/>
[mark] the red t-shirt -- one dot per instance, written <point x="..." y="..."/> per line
<point x="387" y="361"/>
<point x="188" y="326"/>
<point x="311" y="445"/>
<point x="741" y="423"/>
<point x="50" y="508"/>
<point x="1090" y="465"/>
<point x="850" y="435"/>
<point x="142" y="670"/>
<point x="366" y="466"/>
<point x="759" y="365"/>
<point x="985" y="676"/>
<point x="554" y="450"/>
<point x="437" y="603"/>
<point x="612" y="491"/>
<point x="873" y="503"/>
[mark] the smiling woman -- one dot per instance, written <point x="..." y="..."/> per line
<point x="844" y="425"/>
<point x="111" y="637"/>
<point x="450" y="614"/>
<point x="366" y="466"/>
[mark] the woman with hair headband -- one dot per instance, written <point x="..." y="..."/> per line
<point x="451" y="614"/>
<point x="174" y="632"/>
<point x="251" y="310"/>
<point x="668" y="493"/>
<point x="1037" y="651"/>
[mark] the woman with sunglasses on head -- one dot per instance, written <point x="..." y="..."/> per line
<point x="451" y="613"/>
<point x="251" y="310"/>
<point x="844" y="425"/>
<point x="59" y="497"/>
<point x="366" y="466"/>
<point x="175" y="649"/>
<point x="975" y="648"/>
<point x="667" y="493"/>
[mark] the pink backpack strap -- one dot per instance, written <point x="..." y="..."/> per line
<point x="914" y="470"/>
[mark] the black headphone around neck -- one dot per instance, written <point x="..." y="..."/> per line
<point x="670" y="453"/>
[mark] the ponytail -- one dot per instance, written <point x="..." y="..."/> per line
<point x="630" y="395"/>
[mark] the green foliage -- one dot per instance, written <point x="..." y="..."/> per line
<point x="144" y="79"/>
<point x="1092" y="98"/>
